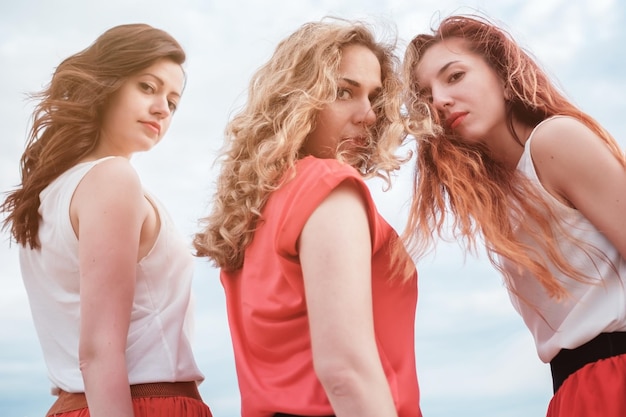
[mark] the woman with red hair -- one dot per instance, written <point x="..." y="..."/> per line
<point x="513" y="163"/>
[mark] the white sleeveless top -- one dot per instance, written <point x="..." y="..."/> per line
<point x="158" y="347"/>
<point x="590" y="309"/>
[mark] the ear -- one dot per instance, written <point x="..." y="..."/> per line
<point x="507" y="93"/>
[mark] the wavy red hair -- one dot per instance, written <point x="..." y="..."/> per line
<point x="460" y="185"/>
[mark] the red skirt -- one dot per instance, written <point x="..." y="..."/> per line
<point x="158" y="407"/>
<point x="162" y="399"/>
<point x="596" y="390"/>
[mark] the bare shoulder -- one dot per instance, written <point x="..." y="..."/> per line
<point x="114" y="178"/>
<point x="570" y="159"/>
<point x="114" y="172"/>
<point x="115" y="169"/>
<point x="562" y="135"/>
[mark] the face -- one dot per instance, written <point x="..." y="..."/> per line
<point x="464" y="89"/>
<point x="345" y="121"/>
<point x="140" y="112"/>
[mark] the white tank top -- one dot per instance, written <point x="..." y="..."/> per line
<point x="158" y="347"/>
<point x="590" y="309"/>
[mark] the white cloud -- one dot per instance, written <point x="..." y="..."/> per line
<point x="474" y="356"/>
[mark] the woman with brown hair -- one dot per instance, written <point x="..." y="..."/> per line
<point x="107" y="275"/>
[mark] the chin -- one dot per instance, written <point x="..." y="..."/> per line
<point x="466" y="137"/>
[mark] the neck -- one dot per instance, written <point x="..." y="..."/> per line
<point x="509" y="148"/>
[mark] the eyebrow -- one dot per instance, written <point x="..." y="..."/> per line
<point x="351" y="82"/>
<point x="441" y="71"/>
<point x="159" y="80"/>
<point x="358" y="84"/>
<point x="445" y="67"/>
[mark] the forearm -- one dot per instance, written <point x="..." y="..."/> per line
<point x="358" y="393"/>
<point x="106" y="385"/>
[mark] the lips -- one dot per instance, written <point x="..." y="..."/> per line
<point x="352" y="144"/>
<point x="154" y="126"/>
<point x="358" y="142"/>
<point x="455" y="119"/>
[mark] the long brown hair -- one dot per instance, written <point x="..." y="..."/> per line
<point x="264" y="139"/>
<point x="66" y="120"/>
<point x="462" y="184"/>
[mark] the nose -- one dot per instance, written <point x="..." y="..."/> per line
<point x="161" y="106"/>
<point x="440" y="99"/>
<point x="366" y="114"/>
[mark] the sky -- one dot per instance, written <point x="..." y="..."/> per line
<point x="474" y="356"/>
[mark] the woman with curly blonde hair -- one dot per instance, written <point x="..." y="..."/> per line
<point x="321" y="322"/>
<point x="515" y="164"/>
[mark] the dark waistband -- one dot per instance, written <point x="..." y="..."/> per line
<point x="70" y="401"/>
<point x="294" y="415"/>
<point x="568" y="361"/>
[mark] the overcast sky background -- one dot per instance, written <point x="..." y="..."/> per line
<point x="474" y="357"/>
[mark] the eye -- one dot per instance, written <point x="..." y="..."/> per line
<point x="148" y="88"/>
<point x="375" y="97"/>
<point x="172" y="105"/>
<point x="455" y="76"/>
<point x="344" y="94"/>
<point x="376" y="101"/>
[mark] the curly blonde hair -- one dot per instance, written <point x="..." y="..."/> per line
<point x="265" y="138"/>
<point x="66" y="121"/>
<point x="462" y="182"/>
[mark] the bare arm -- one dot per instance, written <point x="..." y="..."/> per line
<point x="335" y="253"/>
<point x="574" y="164"/>
<point x="108" y="210"/>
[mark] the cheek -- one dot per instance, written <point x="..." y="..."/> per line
<point x="165" y="126"/>
<point x="111" y="120"/>
<point x="333" y="123"/>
